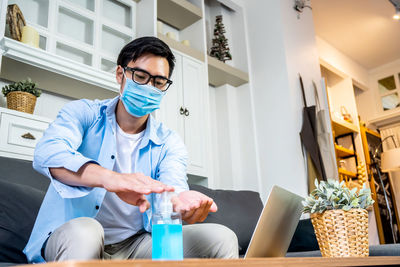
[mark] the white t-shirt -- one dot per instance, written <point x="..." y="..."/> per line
<point x="119" y="219"/>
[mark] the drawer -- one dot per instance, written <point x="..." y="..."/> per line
<point x="20" y="135"/>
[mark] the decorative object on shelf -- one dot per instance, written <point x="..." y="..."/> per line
<point x="22" y="95"/>
<point x="346" y="115"/>
<point x="159" y="26"/>
<point x="171" y="35"/>
<point x="15" y="21"/>
<point x="339" y="218"/>
<point x="220" y="48"/>
<point x="361" y="173"/>
<point x="30" y="36"/>
<point x="342" y="164"/>
<point x="186" y="42"/>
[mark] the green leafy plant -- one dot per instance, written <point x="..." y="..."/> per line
<point x="332" y="195"/>
<point x="23" y="86"/>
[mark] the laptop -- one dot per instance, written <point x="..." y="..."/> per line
<point x="276" y="225"/>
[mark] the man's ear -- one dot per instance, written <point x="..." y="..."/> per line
<point x="119" y="74"/>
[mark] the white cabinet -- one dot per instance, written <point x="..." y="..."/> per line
<point x="20" y="133"/>
<point x="183" y="110"/>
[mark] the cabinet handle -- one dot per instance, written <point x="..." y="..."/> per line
<point x="186" y="112"/>
<point x="28" y="135"/>
<point x="182" y="111"/>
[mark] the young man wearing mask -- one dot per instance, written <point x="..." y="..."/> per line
<point x="104" y="158"/>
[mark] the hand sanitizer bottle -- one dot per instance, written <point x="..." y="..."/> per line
<point x="166" y="231"/>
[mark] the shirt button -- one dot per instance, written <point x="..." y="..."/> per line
<point x="97" y="207"/>
<point x="112" y="156"/>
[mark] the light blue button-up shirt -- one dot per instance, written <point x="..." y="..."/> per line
<point x="84" y="131"/>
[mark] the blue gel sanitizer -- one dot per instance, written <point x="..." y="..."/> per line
<point x="167" y="241"/>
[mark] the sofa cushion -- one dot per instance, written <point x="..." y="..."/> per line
<point x="19" y="205"/>
<point x="238" y="210"/>
<point x="304" y="238"/>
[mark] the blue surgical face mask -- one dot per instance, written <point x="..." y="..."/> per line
<point x="140" y="100"/>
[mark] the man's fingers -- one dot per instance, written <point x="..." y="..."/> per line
<point x="144" y="205"/>
<point x="204" y="215"/>
<point x="214" y="207"/>
<point x="198" y="213"/>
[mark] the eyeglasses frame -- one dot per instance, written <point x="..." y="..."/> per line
<point x="151" y="77"/>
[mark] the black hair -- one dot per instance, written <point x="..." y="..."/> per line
<point x="146" y="45"/>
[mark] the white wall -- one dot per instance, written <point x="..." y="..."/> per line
<point x="342" y="62"/>
<point x="368" y="101"/>
<point x="281" y="47"/>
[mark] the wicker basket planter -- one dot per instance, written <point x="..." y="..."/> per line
<point x="21" y="101"/>
<point x="342" y="233"/>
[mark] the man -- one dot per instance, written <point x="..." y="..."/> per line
<point x="105" y="158"/>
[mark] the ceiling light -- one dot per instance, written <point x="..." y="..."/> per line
<point x="396" y="4"/>
<point x="397" y="15"/>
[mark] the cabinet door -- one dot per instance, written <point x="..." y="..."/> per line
<point x="195" y="132"/>
<point x="169" y="112"/>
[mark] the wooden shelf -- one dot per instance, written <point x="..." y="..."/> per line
<point x="347" y="173"/>
<point x="343" y="152"/>
<point x="220" y="73"/>
<point x="178" y="13"/>
<point x="181" y="47"/>
<point x="55" y="73"/>
<point x="343" y="127"/>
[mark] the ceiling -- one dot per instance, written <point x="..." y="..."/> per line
<point x="364" y="30"/>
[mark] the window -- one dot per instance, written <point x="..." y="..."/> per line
<point x="389" y="93"/>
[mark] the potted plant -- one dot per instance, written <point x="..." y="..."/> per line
<point x="22" y="95"/>
<point x="339" y="218"/>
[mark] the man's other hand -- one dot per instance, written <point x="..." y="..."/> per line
<point x="194" y="206"/>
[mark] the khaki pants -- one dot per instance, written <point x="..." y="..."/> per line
<point x="83" y="239"/>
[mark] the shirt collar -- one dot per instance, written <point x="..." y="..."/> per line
<point x="150" y="133"/>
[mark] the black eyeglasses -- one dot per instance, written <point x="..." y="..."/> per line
<point x="140" y="76"/>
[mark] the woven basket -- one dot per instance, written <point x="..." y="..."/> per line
<point x="21" y="101"/>
<point x="342" y="233"/>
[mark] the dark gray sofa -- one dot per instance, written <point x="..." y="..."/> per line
<point x="22" y="191"/>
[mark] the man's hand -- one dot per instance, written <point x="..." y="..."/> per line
<point x="131" y="188"/>
<point x="194" y="206"/>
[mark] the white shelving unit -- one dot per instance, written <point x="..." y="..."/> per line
<point x="80" y="41"/>
<point x="89" y="32"/>
<point x="235" y="71"/>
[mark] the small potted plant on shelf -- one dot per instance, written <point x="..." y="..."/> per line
<point x="339" y="218"/>
<point x="22" y="95"/>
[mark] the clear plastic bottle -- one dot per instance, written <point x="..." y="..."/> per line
<point x="167" y="241"/>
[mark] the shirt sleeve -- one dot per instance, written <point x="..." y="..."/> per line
<point x="59" y="144"/>
<point x="173" y="164"/>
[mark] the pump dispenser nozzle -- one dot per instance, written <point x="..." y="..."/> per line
<point x="165" y="203"/>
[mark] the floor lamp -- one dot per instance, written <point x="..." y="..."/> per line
<point x="390" y="161"/>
